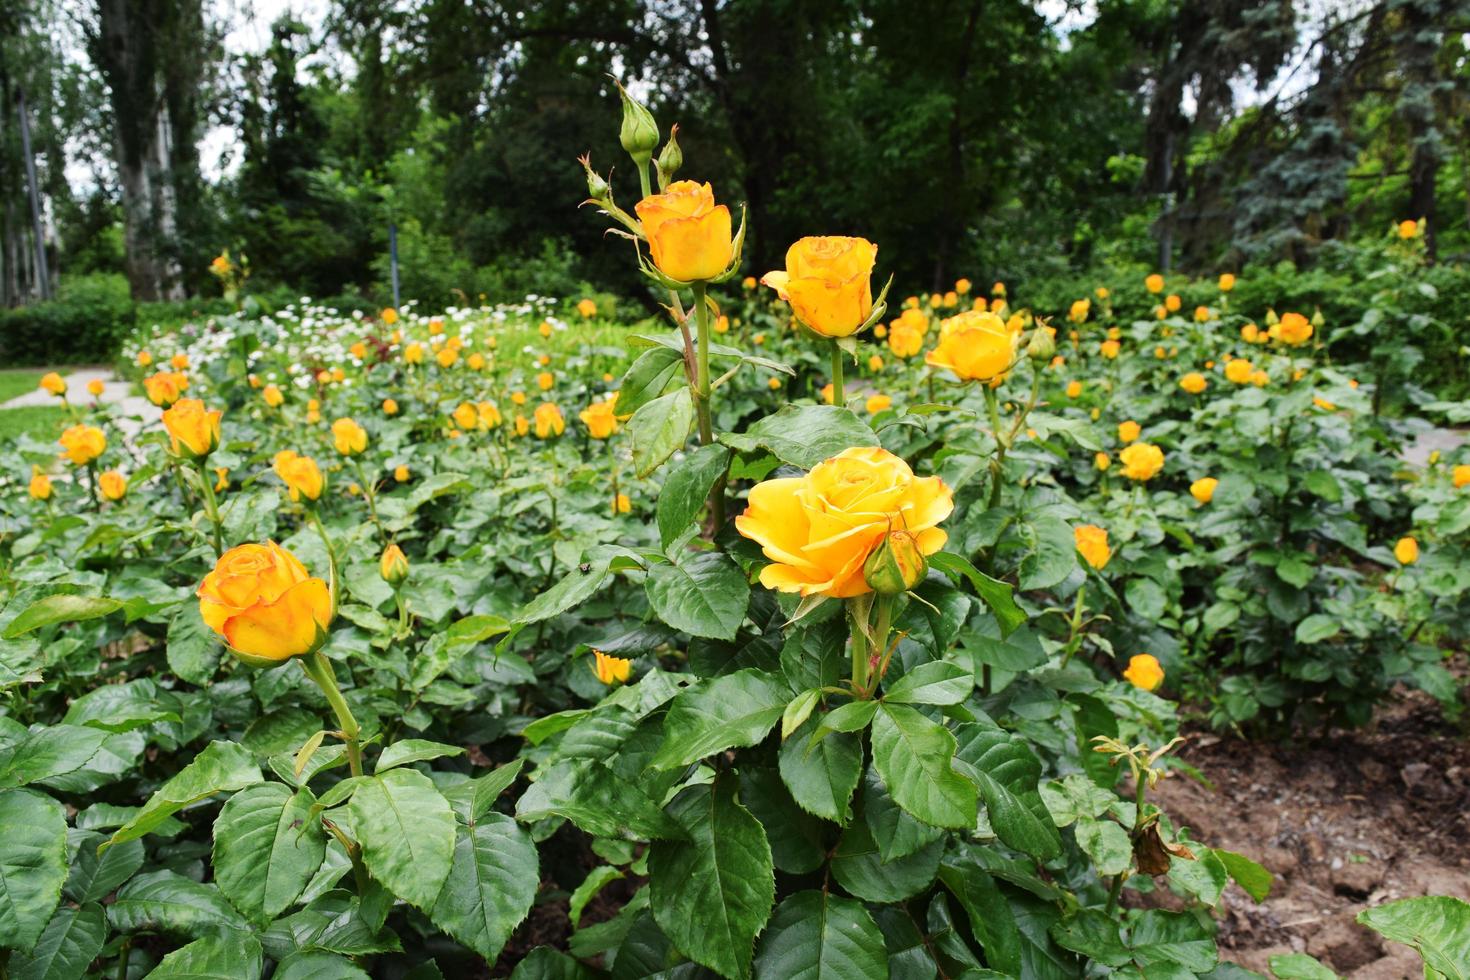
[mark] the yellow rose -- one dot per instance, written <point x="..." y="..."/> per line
<point x="1102" y="461"/>
<point x="349" y="437"/>
<point x="272" y="396"/>
<point x="877" y="403"/>
<point x="828" y="282"/>
<point x="611" y="670"/>
<point x="600" y="419"/>
<point x="144" y="358"/>
<point x="975" y="346"/>
<point x="688" y="234"/>
<point x="522" y="424"/>
<point x="466" y="416"/>
<point x="998" y="289"/>
<point x="393" y="566"/>
<point x="1193" y="382"/>
<point x="1109" y="349"/>
<point x="1142" y="461"/>
<point x="447" y="356"/>
<point x="1201" y="314"/>
<point x="489" y="415"/>
<point x="545" y="380"/>
<point x="302" y="477"/>
<point x="261" y="601"/>
<point x="193" y="430"/>
<point x="1294" y="329"/>
<point x="1406" y="551"/>
<point x="1227" y="282"/>
<point x="222" y="478"/>
<point x="40" y="486"/>
<point x="904" y="340"/>
<point x="1239" y="370"/>
<point x="963" y="286"/>
<point x="774" y="384"/>
<point x="413" y="353"/>
<point x="83" y="443"/>
<point x="475" y="362"/>
<point x="95" y="387"/>
<point x="588" y="308"/>
<point x="1203" y="489"/>
<point x="1408" y="229"/>
<point x="1074" y="389"/>
<point x="1144" y="672"/>
<point x="1461" y="475"/>
<point x="400" y="473"/>
<point x="1129" y="431"/>
<point x="1172" y="302"/>
<point x="1154" y="283"/>
<point x="179" y="361"/>
<point x="1101" y="292"/>
<point x="165" y="387"/>
<point x="1080" y="309"/>
<point x="358" y="350"/>
<point x="875" y="363"/>
<point x="114" y="485"/>
<point x="819" y="529"/>
<point x="549" y="421"/>
<point x="1250" y="333"/>
<point x="1092" y="545"/>
<point x="389" y="316"/>
<point x="436" y="327"/>
<point x="545" y="329"/>
<point x="390" y="407"/>
<point x="623" y="503"/>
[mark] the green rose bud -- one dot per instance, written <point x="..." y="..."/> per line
<point x="896" y="565"/>
<point x="597" y="188"/>
<point x="639" y="134"/>
<point x="1042" y="345"/>
<point x="670" y="159"/>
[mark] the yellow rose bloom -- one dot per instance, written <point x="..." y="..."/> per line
<point x="1227" y="282"/>
<point x="549" y="421"/>
<point x="828" y="282"/>
<point x="447" y="356"/>
<point x="975" y="347"/>
<point x="611" y="670"/>
<point x="114" y="485"/>
<point x="95" y="387"/>
<point x="193" y="431"/>
<point x="600" y="419"/>
<point x="1294" y="329"/>
<point x="963" y="286"/>
<point x="1250" y="333"/>
<point x="1129" y="431"/>
<point x="54" y="383"/>
<point x="1092" y="545"/>
<point x="40" y="485"/>
<point x="302" y="477"/>
<point x="877" y="403"/>
<point x="1142" y="461"/>
<point x="466" y="416"/>
<point x="522" y="425"/>
<point x="358" y="350"/>
<point x="545" y="380"/>
<point x="413" y="353"/>
<point x="587" y="307"/>
<point x="390" y="407"/>
<point x="1201" y="314"/>
<point x="905" y="341"/>
<point x="475" y="362"/>
<point x="722" y="324"/>
<point x="748" y="283"/>
<point x="1172" y="302"/>
<point x="1074" y="389"/>
<point x="1193" y="382"/>
<point x="165" y="387"/>
<point x="774" y="384"/>
<point x="1408" y="229"/>
<point x="1154" y="283"/>
<point x="1144" y="672"/>
<point x="688" y="234"/>
<point x="179" y="361"/>
<point x="222" y="478"/>
<point x="1101" y="292"/>
<point x="144" y="358"/>
<point x="998" y="289"/>
<point x="1460" y="475"/>
<point x="82" y="444"/>
<point x="1239" y="370"/>
<point x="389" y="316"/>
<point x="1406" y="550"/>
<point x="624" y="503"/>
<point x="349" y="437"/>
<point x="1109" y="349"/>
<point x="489" y="415"/>
<point x="262" y="602"/>
<point x="272" y="396"/>
<point x="1203" y="489"/>
<point x="1080" y="309"/>
<point x="875" y="363"/>
<point x="819" y="529"/>
<point x="1102" y="461"/>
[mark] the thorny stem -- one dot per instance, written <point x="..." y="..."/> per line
<point x="319" y="669"/>
<point x="1140" y="781"/>
<point x="211" y="507"/>
<point x="1074" y="638"/>
<point x="702" y="400"/>
<point x="368" y="494"/>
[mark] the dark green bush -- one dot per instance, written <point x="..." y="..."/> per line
<point x="85" y="323"/>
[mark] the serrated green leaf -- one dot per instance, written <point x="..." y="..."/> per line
<point x="915" y="757"/>
<point x="222" y="767"/>
<point x="61" y="608"/>
<point x="225" y="955"/>
<point x="490" y="885"/>
<point x="407" y="832"/>
<point x="165" y="901"/>
<point x="660" y="428"/>
<point x="686" y="488"/>
<point x="68" y="945"/>
<point x="267" y="847"/>
<point x="1438" y="927"/>
<point x="936" y="682"/>
<point x="1007" y="773"/>
<point x="704" y="594"/>
<point x="596" y="799"/>
<point x="803" y="435"/>
<point x="409" y="750"/>
<point x="732" y="711"/>
<point x="32" y="864"/>
<point x="815" y="935"/>
<point x="821" y="777"/>
<point x="998" y="595"/>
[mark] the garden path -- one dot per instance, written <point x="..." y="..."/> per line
<point x="132" y="412"/>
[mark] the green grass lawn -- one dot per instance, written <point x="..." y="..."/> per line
<point x="18" y="381"/>
<point x="42" y="421"/>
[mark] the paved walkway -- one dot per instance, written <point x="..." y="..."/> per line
<point x="1443" y="440"/>
<point x="133" y="412"/>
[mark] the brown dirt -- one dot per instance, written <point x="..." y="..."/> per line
<point x="1344" y="823"/>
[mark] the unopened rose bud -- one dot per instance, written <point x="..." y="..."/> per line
<point x="896" y="565"/>
<point x="597" y="188"/>
<point x="1318" y="320"/>
<point x="393" y="566"/>
<point x="670" y="159"/>
<point x="1043" y="344"/>
<point x="1271" y="318"/>
<point x="639" y="133"/>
